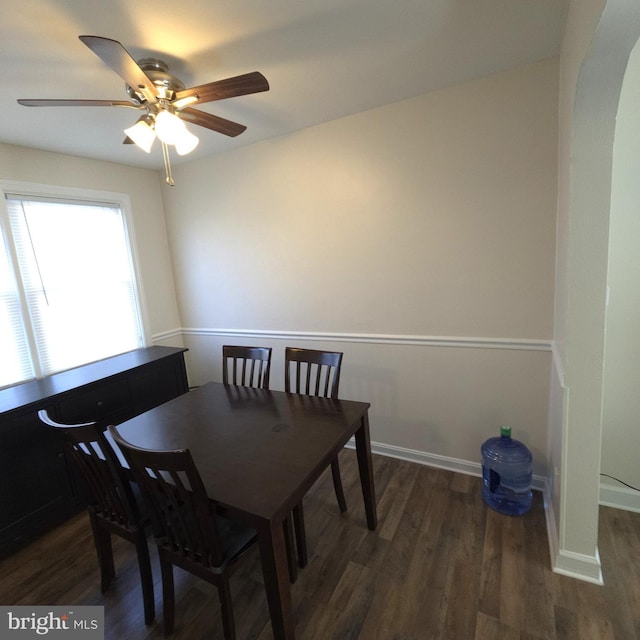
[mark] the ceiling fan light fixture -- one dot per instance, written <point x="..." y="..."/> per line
<point x="169" y="128"/>
<point x="186" y="143"/>
<point x="142" y="134"/>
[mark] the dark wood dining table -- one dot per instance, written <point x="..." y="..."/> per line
<point x="258" y="453"/>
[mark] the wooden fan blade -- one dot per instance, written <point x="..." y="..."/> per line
<point x="215" y="123"/>
<point x="115" y="56"/>
<point x="253" y="82"/>
<point x="77" y="103"/>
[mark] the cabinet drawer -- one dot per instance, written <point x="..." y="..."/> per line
<point x="106" y="400"/>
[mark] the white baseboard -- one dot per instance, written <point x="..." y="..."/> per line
<point x="619" y="498"/>
<point x="434" y="460"/>
<point x="576" y="565"/>
<point x="568" y="563"/>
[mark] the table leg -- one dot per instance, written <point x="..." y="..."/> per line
<point x="275" y="569"/>
<point x="290" y="542"/>
<point x="301" y="535"/>
<point x="365" y="466"/>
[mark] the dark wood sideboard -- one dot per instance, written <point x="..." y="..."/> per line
<point x="38" y="489"/>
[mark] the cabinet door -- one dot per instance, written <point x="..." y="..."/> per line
<point x="156" y="383"/>
<point x="35" y="490"/>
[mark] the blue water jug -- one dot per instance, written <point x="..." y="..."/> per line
<point x="506" y="474"/>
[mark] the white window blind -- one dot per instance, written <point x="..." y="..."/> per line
<point x="77" y="279"/>
<point x="14" y="346"/>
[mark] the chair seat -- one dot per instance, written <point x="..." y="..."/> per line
<point x="234" y="537"/>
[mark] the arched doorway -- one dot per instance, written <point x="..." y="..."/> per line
<point x="585" y="185"/>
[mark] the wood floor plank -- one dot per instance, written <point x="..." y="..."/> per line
<point x="620" y="534"/>
<point x="539" y="614"/>
<point x="381" y="620"/>
<point x="513" y="577"/>
<point x="428" y="583"/>
<point x="392" y="503"/>
<point x="441" y="566"/>
<point x="490" y="628"/>
<point x="491" y="569"/>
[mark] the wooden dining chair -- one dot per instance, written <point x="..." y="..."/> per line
<point x="246" y="366"/>
<point x="187" y="530"/>
<point x="314" y="373"/>
<point x="111" y="501"/>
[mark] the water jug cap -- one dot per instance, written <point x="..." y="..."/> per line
<point x="505" y="432"/>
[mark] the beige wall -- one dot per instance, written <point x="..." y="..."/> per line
<point x="418" y="238"/>
<point x="433" y="216"/>
<point x="143" y="188"/>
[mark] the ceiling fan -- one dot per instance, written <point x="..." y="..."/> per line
<point x="162" y="98"/>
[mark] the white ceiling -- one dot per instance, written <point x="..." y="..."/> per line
<point x="324" y="59"/>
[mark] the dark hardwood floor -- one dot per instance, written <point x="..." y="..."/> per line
<point x="441" y="565"/>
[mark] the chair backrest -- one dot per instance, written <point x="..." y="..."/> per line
<point x="183" y="517"/>
<point x="246" y="366"/>
<point x="312" y="372"/>
<point x="110" y="493"/>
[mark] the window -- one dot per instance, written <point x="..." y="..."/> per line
<point x="16" y="361"/>
<point x="67" y="286"/>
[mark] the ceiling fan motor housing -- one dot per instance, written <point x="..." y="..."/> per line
<point x="158" y="72"/>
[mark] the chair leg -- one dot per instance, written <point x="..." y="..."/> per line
<point x="168" y="597"/>
<point x="146" y="577"/>
<point x="102" y="541"/>
<point x="291" y="554"/>
<point x="301" y="535"/>
<point x="228" y="623"/>
<point x="337" y="484"/>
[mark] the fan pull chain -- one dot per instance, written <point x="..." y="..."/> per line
<point x="167" y="165"/>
